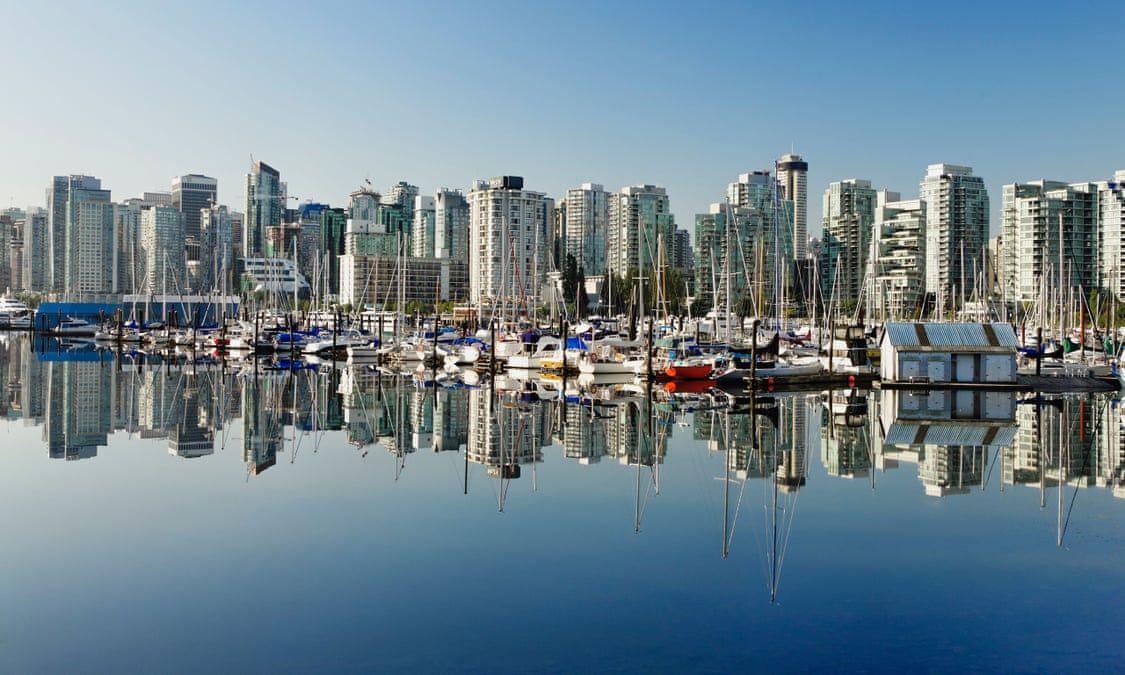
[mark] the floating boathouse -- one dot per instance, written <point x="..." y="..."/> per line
<point x="948" y="354"/>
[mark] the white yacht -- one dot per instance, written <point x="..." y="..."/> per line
<point x="14" y="313"/>
<point x="274" y="275"/>
<point x="75" y="326"/>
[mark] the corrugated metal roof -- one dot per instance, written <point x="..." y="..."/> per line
<point x="903" y="432"/>
<point x="990" y="335"/>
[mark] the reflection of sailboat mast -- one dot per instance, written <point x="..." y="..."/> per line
<point x="398" y="433"/>
<point x="726" y="483"/>
<point x="1064" y="446"/>
<point x="534" y="440"/>
<point x="780" y="531"/>
<point x="293" y="455"/>
<point x="500" y="434"/>
<point x="646" y="437"/>
<point x="1097" y="424"/>
<point x="774" y="558"/>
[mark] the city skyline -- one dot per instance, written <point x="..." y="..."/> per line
<point x="441" y="95"/>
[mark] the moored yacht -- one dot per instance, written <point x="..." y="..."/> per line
<point x="14" y="313"/>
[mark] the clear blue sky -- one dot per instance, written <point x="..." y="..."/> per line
<point x="682" y="95"/>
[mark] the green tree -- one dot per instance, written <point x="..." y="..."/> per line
<point x="570" y="279"/>
<point x="583" y="300"/>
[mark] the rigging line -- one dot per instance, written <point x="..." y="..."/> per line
<point x="995" y="461"/>
<point x="759" y="541"/>
<point x="1077" y="486"/>
<point x="519" y="280"/>
<point x="788" y="530"/>
<point x="737" y="509"/>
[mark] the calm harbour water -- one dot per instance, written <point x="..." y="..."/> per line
<point x="166" y="517"/>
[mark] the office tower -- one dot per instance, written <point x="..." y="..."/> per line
<point x="129" y="270"/>
<point x="896" y="269"/>
<point x="15" y="256"/>
<point x="849" y="214"/>
<point x="75" y="217"/>
<point x="310" y="255"/>
<point x="402" y="194"/>
<point x="216" y="250"/>
<point x="55" y="272"/>
<point x="157" y="198"/>
<point x="88" y="239"/>
<point x="376" y="267"/>
<point x="237" y="231"/>
<point x="7" y="235"/>
<point x="333" y="224"/>
<point x="587" y="227"/>
<point x="422" y="231"/>
<point x="265" y="202"/>
<point x="726" y="277"/>
<point x="451" y="225"/>
<point x="375" y="226"/>
<point x="640" y="230"/>
<point x="11" y="259"/>
<point x="508" y="242"/>
<point x="191" y="194"/>
<point x="1111" y="217"/>
<point x="682" y="258"/>
<point x="36" y="250"/>
<point x="793" y="184"/>
<point x="764" y="244"/>
<point x="162" y="247"/>
<point x="956" y="232"/>
<point x="1050" y="234"/>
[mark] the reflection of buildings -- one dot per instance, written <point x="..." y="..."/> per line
<point x="450" y="419"/>
<point x="583" y="435"/>
<point x="504" y="432"/>
<point x="633" y="436"/>
<point x="793" y="422"/>
<point x="1111" y="451"/>
<point x="421" y="420"/>
<point x="359" y="388"/>
<point x="622" y="437"/>
<point x="951" y="432"/>
<point x="845" y="446"/>
<point x="159" y="402"/>
<point x="13" y="359"/>
<point x="33" y="389"/>
<point x="78" y="409"/>
<point x="262" y="424"/>
<point x="191" y="437"/>
<point x="391" y="421"/>
<point x="948" y="435"/>
<point x="1058" y="442"/>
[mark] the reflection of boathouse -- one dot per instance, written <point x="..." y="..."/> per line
<point x="951" y="431"/>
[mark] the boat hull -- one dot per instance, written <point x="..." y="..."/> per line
<point x="693" y="371"/>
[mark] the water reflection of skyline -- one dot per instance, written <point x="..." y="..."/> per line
<point x="955" y="439"/>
